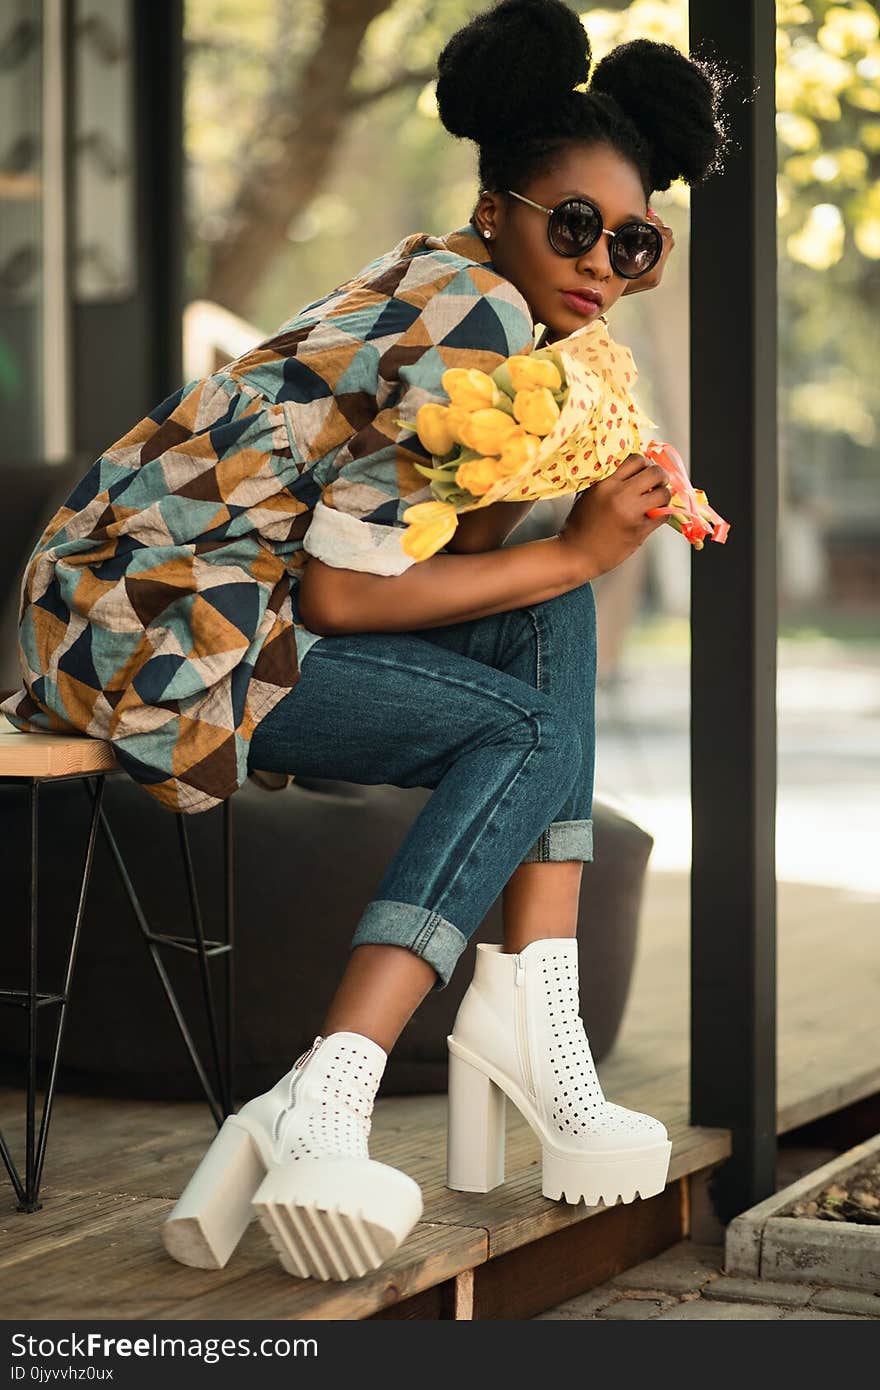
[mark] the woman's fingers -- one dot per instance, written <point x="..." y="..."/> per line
<point x="649" y="478"/>
<point x="652" y="278"/>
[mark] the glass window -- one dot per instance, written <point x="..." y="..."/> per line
<point x="21" y="231"/>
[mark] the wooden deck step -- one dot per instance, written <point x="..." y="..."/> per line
<point x="115" y="1168"/>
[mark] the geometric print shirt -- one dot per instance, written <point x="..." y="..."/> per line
<point x="159" y="607"/>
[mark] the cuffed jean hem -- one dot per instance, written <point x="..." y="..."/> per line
<point x="420" y="930"/>
<point x="564" y="839"/>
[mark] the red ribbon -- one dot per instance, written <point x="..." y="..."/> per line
<point x="697" y="519"/>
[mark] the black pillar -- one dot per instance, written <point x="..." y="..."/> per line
<point x="734" y="617"/>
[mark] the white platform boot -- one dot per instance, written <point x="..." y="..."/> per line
<point x="518" y="1033"/>
<point x="297" y="1156"/>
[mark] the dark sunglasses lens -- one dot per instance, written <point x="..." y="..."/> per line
<point x="574" y="227"/>
<point x="636" y="250"/>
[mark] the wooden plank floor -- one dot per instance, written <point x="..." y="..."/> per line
<point x="828" y="986"/>
<point x="114" y="1168"/>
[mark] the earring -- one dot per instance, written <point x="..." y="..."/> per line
<point x="487" y="232"/>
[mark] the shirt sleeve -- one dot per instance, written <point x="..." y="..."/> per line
<point x="464" y="315"/>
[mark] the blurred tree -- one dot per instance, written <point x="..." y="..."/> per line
<point x="302" y="72"/>
<point x="828" y="124"/>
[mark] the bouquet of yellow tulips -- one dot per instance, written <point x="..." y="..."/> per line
<point x="543" y="424"/>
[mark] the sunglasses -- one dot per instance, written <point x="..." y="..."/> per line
<point x="575" y="225"/>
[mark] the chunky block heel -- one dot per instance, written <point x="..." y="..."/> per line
<point x="475" y="1128"/>
<point x="297" y="1158"/>
<point x="214" y="1209"/>
<point x="518" y="1034"/>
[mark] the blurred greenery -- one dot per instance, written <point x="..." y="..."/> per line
<point x="828" y="94"/>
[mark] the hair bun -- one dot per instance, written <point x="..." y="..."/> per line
<point x="504" y="68"/>
<point x="674" y="103"/>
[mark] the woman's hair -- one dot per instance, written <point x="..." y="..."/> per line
<point x="507" y="80"/>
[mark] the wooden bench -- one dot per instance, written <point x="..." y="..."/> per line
<point x="33" y="761"/>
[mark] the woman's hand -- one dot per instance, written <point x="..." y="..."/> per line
<point x="608" y="520"/>
<point x="652" y="278"/>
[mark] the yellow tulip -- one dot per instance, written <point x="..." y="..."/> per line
<point x="536" y="410"/>
<point x="432" y="427"/>
<point x="469" y="388"/>
<point x="519" y="450"/>
<point x="458" y="420"/>
<point x="487" y="431"/>
<point x="529" y="372"/>
<point x="479" y="475"/>
<point x="430" y="525"/>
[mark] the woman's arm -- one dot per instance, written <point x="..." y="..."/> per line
<point x="487" y="528"/>
<point x="443" y="589"/>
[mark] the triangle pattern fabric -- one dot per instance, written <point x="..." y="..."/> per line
<point x="160" y="605"/>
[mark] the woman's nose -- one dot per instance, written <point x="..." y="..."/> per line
<point x="597" y="259"/>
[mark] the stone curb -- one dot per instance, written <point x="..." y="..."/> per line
<point x="762" y="1243"/>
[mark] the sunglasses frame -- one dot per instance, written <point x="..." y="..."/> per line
<point x="570" y="255"/>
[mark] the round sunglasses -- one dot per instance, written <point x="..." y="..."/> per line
<point x="575" y="225"/>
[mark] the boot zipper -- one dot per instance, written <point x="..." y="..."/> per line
<point x="522" y="1041"/>
<point x="308" y="1052"/>
<point x="297" y="1067"/>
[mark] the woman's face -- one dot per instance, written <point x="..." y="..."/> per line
<point x="522" y="253"/>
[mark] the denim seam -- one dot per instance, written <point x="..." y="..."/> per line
<point x="543" y="838"/>
<point x="431" y="924"/>
<point x="531" y="719"/>
<point x="434" y="675"/>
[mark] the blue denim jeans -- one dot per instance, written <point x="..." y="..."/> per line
<point x="495" y="715"/>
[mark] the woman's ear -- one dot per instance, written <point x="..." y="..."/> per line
<point x="488" y="215"/>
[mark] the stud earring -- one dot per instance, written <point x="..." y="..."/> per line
<point x="487" y="232"/>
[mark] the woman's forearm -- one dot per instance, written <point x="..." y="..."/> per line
<point x="487" y="528"/>
<point x="443" y="589"/>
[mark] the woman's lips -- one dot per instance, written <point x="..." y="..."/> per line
<point x="580" y="306"/>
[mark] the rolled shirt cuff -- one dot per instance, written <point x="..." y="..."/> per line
<point x="347" y="542"/>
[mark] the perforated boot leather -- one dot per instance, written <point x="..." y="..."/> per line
<point x="518" y="1033"/>
<point x="323" y="1106"/>
<point x="297" y="1156"/>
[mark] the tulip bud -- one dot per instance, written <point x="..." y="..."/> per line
<point x="528" y="372"/>
<point x="487" y="431"/>
<point x="519" y="450"/>
<point x="479" y="475"/>
<point x="536" y="410"/>
<point x="429" y="526"/>
<point x="458" y="419"/>
<point x="432" y="427"/>
<point x="470" y="388"/>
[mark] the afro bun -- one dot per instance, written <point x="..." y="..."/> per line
<point x="509" y="67"/>
<point x="672" y="102"/>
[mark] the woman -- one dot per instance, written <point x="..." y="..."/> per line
<point x="227" y="591"/>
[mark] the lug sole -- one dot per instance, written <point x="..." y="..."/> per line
<point x="475" y="1149"/>
<point x="336" y="1218"/>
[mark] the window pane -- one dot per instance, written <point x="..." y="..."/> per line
<point x="21" y="283"/>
